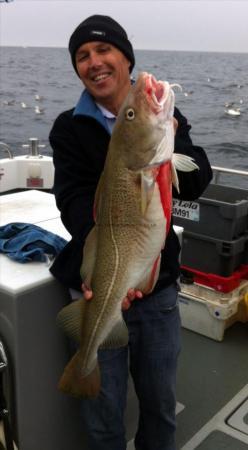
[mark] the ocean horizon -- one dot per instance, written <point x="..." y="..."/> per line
<point x="38" y="83"/>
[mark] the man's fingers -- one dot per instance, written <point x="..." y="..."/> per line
<point x="138" y="294"/>
<point x="131" y="294"/>
<point x="125" y="304"/>
<point x="88" y="293"/>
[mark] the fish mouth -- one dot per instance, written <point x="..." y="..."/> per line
<point x="156" y="91"/>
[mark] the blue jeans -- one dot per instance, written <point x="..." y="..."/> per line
<point x="154" y="345"/>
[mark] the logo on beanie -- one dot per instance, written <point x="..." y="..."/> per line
<point x="98" y="33"/>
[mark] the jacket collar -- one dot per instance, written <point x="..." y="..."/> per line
<point x="87" y="107"/>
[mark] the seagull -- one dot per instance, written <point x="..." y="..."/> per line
<point x="8" y="102"/>
<point x="186" y="94"/>
<point x="233" y="111"/>
<point x="38" y="97"/>
<point x="38" y="110"/>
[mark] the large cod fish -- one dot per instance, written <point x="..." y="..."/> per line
<point x="132" y="210"/>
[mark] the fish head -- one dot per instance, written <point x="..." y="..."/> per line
<point x="144" y="132"/>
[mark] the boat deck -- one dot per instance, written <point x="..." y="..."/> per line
<point x="212" y="380"/>
<point x="212" y="390"/>
<point x="212" y="410"/>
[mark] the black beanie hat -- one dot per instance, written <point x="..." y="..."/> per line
<point x="101" y="28"/>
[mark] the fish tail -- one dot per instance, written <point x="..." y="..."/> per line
<point x="72" y="381"/>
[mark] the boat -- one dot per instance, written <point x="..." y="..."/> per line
<point x="212" y="388"/>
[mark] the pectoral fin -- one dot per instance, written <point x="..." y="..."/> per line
<point x="182" y="163"/>
<point x="147" y="188"/>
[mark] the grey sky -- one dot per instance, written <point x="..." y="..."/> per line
<point x="217" y="25"/>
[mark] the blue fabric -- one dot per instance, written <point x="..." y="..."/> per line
<point x="24" y="242"/>
<point x="87" y="107"/>
<point x="154" y="344"/>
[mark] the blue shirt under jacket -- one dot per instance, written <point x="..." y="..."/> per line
<point x="87" y="107"/>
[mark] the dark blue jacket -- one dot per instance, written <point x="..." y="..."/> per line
<point x="80" y="139"/>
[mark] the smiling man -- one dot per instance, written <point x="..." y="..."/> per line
<point x="104" y="71"/>
<point x="103" y="58"/>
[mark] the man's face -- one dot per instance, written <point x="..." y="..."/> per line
<point x="104" y="71"/>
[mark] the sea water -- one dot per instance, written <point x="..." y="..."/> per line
<point x="37" y="84"/>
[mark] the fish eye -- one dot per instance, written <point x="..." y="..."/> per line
<point x="130" y="114"/>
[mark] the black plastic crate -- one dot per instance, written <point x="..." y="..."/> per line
<point x="212" y="255"/>
<point x="221" y="212"/>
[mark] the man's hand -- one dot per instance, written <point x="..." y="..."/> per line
<point x="132" y="294"/>
<point x="88" y="293"/>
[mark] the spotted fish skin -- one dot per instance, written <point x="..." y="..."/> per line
<point x="132" y="217"/>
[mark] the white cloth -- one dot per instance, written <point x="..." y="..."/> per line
<point x="109" y="116"/>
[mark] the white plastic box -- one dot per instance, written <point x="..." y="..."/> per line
<point x="42" y="418"/>
<point x="209" y="312"/>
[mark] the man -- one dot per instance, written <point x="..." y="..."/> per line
<point x="103" y="58"/>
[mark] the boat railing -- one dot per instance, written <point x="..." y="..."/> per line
<point x="217" y="171"/>
<point x="34" y="147"/>
<point x="6" y="148"/>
